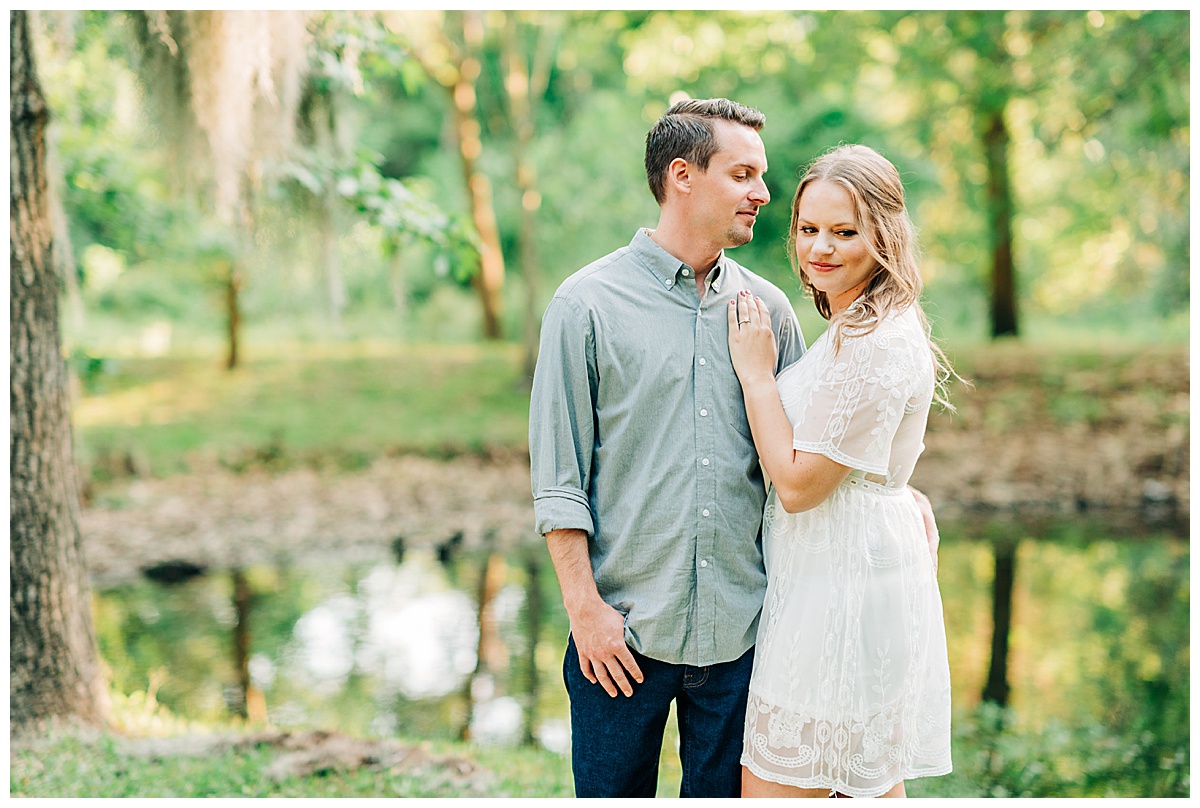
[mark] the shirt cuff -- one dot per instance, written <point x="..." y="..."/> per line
<point x="562" y="509"/>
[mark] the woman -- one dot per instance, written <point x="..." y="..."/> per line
<point x="851" y="689"/>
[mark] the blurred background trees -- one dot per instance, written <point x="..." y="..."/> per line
<point x="389" y="167"/>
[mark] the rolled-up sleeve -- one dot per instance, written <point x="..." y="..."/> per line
<point x="562" y="420"/>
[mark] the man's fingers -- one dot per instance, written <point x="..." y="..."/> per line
<point x="613" y="671"/>
<point x="625" y="657"/>
<point x="597" y="674"/>
<point x="618" y="674"/>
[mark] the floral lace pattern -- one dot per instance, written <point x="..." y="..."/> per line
<point x="851" y="686"/>
<point x="866" y="406"/>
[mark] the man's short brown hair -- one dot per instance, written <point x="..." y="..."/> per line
<point x="686" y="131"/>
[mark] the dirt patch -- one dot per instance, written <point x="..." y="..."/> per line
<point x="305" y="753"/>
<point x="221" y="519"/>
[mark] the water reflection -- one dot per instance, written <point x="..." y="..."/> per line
<point x="1098" y="636"/>
<point x="420" y="634"/>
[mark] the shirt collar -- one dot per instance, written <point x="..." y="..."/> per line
<point x="666" y="267"/>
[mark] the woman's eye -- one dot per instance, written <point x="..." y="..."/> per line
<point x="847" y="233"/>
<point x="808" y="231"/>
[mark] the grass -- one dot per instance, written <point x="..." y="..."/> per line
<point x="74" y="764"/>
<point x="344" y="403"/>
<point x="70" y="761"/>
<point x="991" y="759"/>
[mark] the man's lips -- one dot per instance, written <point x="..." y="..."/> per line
<point x="753" y="214"/>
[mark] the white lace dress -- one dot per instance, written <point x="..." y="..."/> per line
<point x="851" y="687"/>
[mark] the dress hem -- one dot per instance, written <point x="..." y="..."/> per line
<point x="824" y="782"/>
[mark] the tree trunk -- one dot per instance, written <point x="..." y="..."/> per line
<point x="241" y="643"/>
<point x="525" y="87"/>
<point x="327" y="226"/>
<point x="996" y="689"/>
<point x="533" y="630"/>
<point x="233" y="312"/>
<point x="490" y="278"/>
<point x="54" y="666"/>
<point x="1000" y="218"/>
<point x="328" y="205"/>
<point x="491" y="581"/>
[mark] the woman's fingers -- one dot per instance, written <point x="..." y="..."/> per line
<point x="747" y="311"/>
<point x="763" y="311"/>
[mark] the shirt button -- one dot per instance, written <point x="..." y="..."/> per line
<point x="702" y="361"/>
<point x="704" y="563"/>
<point x="705" y="511"/>
<point x="703" y="413"/>
<point x="704" y="461"/>
<point x="687" y="273"/>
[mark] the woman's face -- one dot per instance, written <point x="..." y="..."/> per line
<point x="830" y="250"/>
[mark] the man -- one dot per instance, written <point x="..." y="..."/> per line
<point x="645" y="478"/>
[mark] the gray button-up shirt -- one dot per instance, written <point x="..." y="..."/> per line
<point x="638" y="436"/>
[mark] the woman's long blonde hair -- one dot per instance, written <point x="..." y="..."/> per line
<point x="881" y="217"/>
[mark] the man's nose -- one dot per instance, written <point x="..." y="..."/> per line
<point x="759" y="193"/>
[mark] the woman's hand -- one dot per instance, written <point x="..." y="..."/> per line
<point x="751" y="340"/>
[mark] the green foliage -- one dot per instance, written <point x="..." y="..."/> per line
<point x="995" y="757"/>
<point x="1097" y="104"/>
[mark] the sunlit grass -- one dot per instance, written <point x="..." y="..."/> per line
<point x="363" y="399"/>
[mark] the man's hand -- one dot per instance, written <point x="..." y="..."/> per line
<point x="604" y="658"/>
<point x="931" y="530"/>
<point x="597" y="628"/>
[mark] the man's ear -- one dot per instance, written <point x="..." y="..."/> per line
<point x="679" y="175"/>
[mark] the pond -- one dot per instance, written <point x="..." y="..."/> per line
<point x="1097" y="647"/>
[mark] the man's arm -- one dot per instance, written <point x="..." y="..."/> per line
<point x="598" y="629"/>
<point x="561" y="437"/>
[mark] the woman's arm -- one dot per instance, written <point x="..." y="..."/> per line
<point x="802" y="480"/>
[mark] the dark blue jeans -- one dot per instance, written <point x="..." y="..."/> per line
<point x="616" y="742"/>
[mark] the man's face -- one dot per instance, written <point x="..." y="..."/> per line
<point x="725" y="199"/>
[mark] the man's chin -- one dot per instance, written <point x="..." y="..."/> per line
<point x="740" y="236"/>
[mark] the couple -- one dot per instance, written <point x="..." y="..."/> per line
<point x="799" y="634"/>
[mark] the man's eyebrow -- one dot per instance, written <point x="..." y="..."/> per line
<point x="749" y="166"/>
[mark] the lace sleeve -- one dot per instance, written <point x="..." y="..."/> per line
<point x="860" y="395"/>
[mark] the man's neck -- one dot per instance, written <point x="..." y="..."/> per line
<point x="693" y="252"/>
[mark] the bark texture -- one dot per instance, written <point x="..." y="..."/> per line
<point x="53" y="661"/>
<point x="1000" y="218"/>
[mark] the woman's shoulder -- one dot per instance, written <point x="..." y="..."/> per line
<point x="902" y="324"/>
